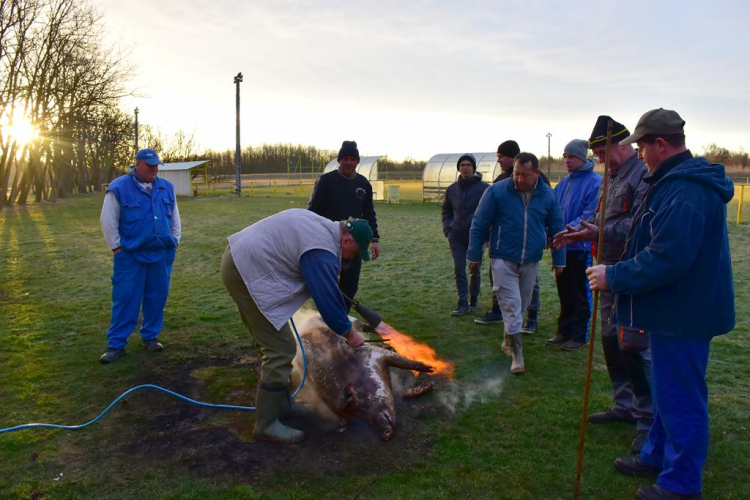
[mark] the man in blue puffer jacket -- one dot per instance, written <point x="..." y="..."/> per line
<point x="578" y="194"/>
<point x="461" y="200"/>
<point x="514" y="215"/>
<point x="676" y="262"/>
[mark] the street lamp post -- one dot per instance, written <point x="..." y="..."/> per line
<point x="136" y="129"/>
<point x="549" y="157"/>
<point x="237" y="154"/>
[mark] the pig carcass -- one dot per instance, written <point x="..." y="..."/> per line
<point x="345" y="382"/>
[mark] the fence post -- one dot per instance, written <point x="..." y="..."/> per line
<point x="275" y="189"/>
<point x="742" y="199"/>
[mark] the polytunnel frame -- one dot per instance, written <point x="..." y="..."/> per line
<point x="433" y="187"/>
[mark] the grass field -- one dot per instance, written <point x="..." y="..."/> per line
<point x="486" y="435"/>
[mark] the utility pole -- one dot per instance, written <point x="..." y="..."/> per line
<point x="237" y="154"/>
<point x="549" y="157"/>
<point x="136" y="129"/>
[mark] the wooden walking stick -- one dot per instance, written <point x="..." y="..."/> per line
<point x="592" y="327"/>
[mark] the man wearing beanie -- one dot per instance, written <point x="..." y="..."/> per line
<point x="460" y="202"/>
<point x="625" y="349"/>
<point x="577" y="193"/>
<point x="341" y="194"/>
<point x="676" y="259"/>
<point x="506" y="152"/>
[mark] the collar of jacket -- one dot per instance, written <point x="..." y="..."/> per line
<point x="664" y="167"/>
<point x="626" y="166"/>
<point x="585" y="169"/>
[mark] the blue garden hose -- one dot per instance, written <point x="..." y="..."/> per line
<point x="179" y="396"/>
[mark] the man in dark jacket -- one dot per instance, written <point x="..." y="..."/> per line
<point x="461" y="200"/>
<point x="339" y="195"/>
<point x="577" y="193"/>
<point x="676" y="261"/>
<point x="506" y="152"/>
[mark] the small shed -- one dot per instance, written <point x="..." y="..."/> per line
<point x="440" y="172"/>
<point x="181" y="175"/>
<point x="368" y="166"/>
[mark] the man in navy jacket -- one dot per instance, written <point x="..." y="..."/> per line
<point x="515" y="215"/>
<point x="676" y="262"/>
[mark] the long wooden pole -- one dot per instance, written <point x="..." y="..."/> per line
<point x="592" y="327"/>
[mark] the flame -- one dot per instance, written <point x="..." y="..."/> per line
<point x="410" y="348"/>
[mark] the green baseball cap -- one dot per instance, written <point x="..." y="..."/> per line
<point x="656" y="122"/>
<point x="362" y="233"/>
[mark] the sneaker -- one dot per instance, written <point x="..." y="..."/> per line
<point x="472" y="305"/>
<point x="611" y="415"/>
<point x="489" y="318"/>
<point x="556" y="340"/>
<point x="572" y="345"/>
<point x="460" y="311"/>
<point x="656" y="492"/>
<point x="640" y="439"/>
<point x="153" y="345"/>
<point x="635" y="467"/>
<point x="530" y="327"/>
<point x="111" y="355"/>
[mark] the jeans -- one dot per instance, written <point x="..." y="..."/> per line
<point x="465" y="288"/>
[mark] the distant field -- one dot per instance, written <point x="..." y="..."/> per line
<point x="485" y="435"/>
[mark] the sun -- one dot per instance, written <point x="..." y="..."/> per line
<point x="20" y="129"/>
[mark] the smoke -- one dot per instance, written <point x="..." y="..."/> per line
<point x="461" y="395"/>
<point x="450" y="394"/>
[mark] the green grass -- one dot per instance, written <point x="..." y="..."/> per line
<point x="518" y="443"/>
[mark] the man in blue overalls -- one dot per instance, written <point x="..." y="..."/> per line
<point x="142" y="227"/>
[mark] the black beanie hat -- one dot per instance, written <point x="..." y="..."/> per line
<point x="348" y="148"/>
<point x="509" y="148"/>
<point x="599" y="134"/>
<point x="467" y="156"/>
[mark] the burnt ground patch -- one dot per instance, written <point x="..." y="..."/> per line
<point x="218" y="443"/>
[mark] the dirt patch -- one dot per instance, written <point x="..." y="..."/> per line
<point x="213" y="442"/>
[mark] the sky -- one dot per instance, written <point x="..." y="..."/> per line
<point x="419" y="78"/>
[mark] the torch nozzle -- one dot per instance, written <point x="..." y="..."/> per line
<point x="373" y="319"/>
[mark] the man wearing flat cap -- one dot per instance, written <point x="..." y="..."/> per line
<point x="625" y="349"/>
<point x="341" y="194"/>
<point x="676" y="262"/>
<point x="506" y="152"/>
<point x="142" y="227"/>
<point x="271" y="269"/>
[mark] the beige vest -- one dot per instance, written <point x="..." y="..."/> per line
<point x="267" y="256"/>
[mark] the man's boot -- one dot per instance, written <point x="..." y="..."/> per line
<point x="530" y="326"/>
<point x="268" y="405"/>
<point x="516" y="367"/>
<point x="506" y="347"/>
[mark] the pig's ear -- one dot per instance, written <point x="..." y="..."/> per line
<point x="347" y="398"/>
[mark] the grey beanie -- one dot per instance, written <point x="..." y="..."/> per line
<point x="467" y="156"/>
<point x="579" y="148"/>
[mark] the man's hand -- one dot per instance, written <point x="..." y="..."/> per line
<point x="571" y="234"/>
<point x="354" y="338"/>
<point x="116" y="251"/>
<point x="375" y="249"/>
<point x="558" y="270"/>
<point x="473" y="266"/>
<point x="598" y="278"/>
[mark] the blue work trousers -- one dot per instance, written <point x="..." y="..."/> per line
<point x="678" y="440"/>
<point x="467" y="290"/>
<point x="135" y="283"/>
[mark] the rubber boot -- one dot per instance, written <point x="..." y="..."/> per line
<point x="516" y="367"/>
<point x="506" y="348"/>
<point x="268" y="405"/>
